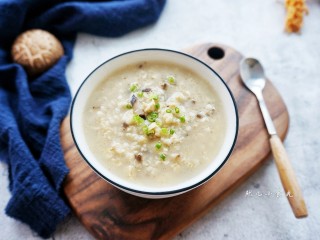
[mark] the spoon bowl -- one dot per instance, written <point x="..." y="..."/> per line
<point x="252" y="74"/>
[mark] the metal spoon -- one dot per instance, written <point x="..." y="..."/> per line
<point x="253" y="77"/>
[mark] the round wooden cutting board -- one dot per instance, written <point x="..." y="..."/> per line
<point x="109" y="213"/>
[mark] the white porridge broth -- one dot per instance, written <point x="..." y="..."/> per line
<point x="154" y="124"/>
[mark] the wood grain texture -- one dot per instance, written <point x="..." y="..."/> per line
<point x="288" y="178"/>
<point x="109" y="213"/>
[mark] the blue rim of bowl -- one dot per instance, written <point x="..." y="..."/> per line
<point x="181" y="190"/>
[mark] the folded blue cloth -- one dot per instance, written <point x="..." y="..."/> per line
<point x="31" y="110"/>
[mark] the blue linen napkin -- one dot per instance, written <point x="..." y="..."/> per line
<point x="31" y="110"/>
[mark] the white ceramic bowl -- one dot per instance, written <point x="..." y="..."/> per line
<point x="170" y="56"/>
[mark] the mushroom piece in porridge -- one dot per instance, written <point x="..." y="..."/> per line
<point x="154" y="124"/>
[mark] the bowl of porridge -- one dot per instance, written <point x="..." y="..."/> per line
<point x="154" y="122"/>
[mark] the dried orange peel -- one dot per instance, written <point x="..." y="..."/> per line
<point x="296" y="9"/>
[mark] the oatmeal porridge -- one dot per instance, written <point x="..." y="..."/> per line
<point x="154" y="123"/>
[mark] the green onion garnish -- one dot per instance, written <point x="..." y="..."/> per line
<point x="171" y="79"/>
<point x="128" y="106"/>
<point x="172" y="131"/>
<point x="164" y="131"/>
<point x="140" y="94"/>
<point x="182" y="119"/>
<point x="162" y="157"/>
<point x="157" y="105"/>
<point x="155" y="97"/>
<point x="177" y="110"/>
<point x="137" y="119"/>
<point x="158" y="145"/>
<point x="145" y="129"/>
<point x="168" y="110"/>
<point x="152" y="116"/>
<point x="133" y="87"/>
<point x="151" y="131"/>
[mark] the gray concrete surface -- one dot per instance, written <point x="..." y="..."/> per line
<point x="292" y="62"/>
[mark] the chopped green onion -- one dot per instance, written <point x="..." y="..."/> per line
<point x="140" y="94"/>
<point x="152" y="116"/>
<point x="133" y="87"/>
<point x="128" y="106"/>
<point x="168" y="110"/>
<point x="151" y="131"/>
<point x="164" y="131"/>
<point x="177" y="110"/>
<point x="145" y="129"/>
<point x="155" y="97"/>
<point x="162" y="157"/>
<point x="158" y="145"/>
<point x="182" y="119"/>
<point x="137" y="119"/>
<point x="171" y="79"/>
<point x="172" y="131"/>
<point x="157" y="105"/>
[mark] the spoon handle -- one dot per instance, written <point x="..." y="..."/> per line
<point x="265" y="113"/>
<point x="288" y="178"/>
